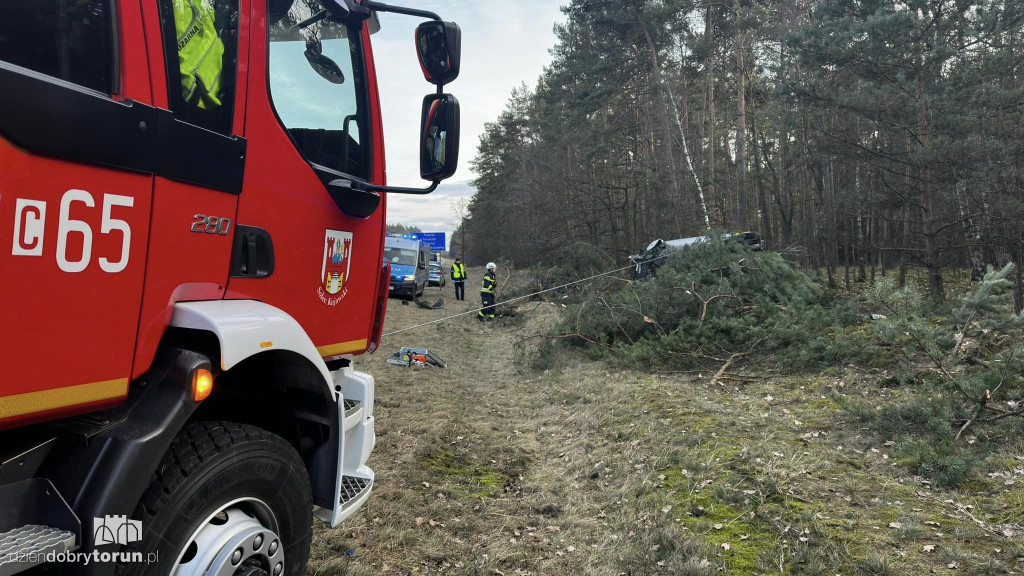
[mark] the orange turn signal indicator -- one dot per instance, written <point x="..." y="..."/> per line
<point x="202" y="384"/>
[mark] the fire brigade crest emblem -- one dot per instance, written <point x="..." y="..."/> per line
<point x="334" y="273"/>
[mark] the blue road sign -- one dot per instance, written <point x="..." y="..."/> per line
<point x="436" y="240"/>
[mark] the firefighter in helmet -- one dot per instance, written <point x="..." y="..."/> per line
<point x="487" y="293"/>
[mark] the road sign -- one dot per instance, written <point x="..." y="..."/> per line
<point x="436" y="240"/>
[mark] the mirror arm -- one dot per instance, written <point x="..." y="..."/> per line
<point x="381" y="7"/>
<point x="400" y="190"/>
<point x="370" y="188"/>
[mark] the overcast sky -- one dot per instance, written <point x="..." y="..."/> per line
<point x="504" y="43"/>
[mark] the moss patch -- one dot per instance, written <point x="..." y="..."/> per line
<point x="466" y="479"/>
<point x="790" y="485"/>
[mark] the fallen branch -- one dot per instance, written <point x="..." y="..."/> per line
<point x="720" y="375"/>
<point x="731" y="378"/>
<point x="962" y="510"/>
<point x="974" y="361"/>
<point x="692" y="290"/>
<point x="725" y="367"/>
<point x="982" y="404"/>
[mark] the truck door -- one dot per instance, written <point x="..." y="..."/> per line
<point x="75" y="191"/>
<point x="198" y="49"/>
<point x="311" y="117"/>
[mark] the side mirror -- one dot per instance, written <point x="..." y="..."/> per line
<point x="439" y="133"/>
<point x="327" y="69"/>
<point x="439" y="48"/>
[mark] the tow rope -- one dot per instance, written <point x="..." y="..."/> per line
<point x="566" y="285"/>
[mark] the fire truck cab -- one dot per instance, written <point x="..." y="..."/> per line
<point x="192" y="214"/>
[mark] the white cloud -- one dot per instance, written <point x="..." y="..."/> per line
<point x="503" y="44"/>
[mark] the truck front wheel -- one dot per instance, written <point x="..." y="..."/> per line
<point x="226" y="499"/>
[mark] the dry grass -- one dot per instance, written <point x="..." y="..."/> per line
<point x="491" y="468"/>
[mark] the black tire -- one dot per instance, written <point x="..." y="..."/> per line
<point x="208" y="465"/>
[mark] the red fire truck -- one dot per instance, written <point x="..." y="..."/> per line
<point x="192" y="198"/>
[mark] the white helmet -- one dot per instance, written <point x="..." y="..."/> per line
<point x="492" y="266"/>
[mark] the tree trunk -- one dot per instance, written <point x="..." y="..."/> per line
<point x="831" y="243"/>
<point x="783" y="198"/>
<point x="666" y="126"/>
<point x="931" y="248"/>
<point x="709" y="40"/>
<point x="971" y="235"/>
<point x="1017" y="255"/>
<point x="741" y="127"/>
<point x="689" y="163"/>
<point x="762" y="199"/>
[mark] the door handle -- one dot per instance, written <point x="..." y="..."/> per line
<point x="250" y="254"/>
<point x="253" y="253"/>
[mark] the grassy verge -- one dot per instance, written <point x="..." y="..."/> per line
<point x="491" y="467"/>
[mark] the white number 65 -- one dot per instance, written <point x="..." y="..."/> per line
<point x="67" y="225"/>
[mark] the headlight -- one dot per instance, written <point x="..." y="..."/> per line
<point x="410" y="278"/>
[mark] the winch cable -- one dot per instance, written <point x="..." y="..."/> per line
<point x="566" y="285"/>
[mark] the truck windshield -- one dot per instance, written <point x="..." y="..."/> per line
<point x="317" y="85"/>
<point x="401" y="256"/>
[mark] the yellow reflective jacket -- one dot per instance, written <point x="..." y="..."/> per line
<point x="458" y="271"/>
<point x="488" y="284"/>
<point x="200" y="52"/>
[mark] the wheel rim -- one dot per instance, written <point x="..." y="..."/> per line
<point x="239" y="539"/>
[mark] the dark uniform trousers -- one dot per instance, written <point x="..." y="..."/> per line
<point x="488" y="302"/>
<point x="460" y="282"/>
<point x="487" y="291"/>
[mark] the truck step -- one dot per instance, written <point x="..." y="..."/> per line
<point x="352" y="487"/>
<point x="353" y="414"/>
<point x="25" y="547"/>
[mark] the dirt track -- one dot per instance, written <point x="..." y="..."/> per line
<point x="490" y="467"/>
<point x="481" y="470"/>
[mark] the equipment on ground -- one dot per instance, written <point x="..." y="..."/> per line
<point x="416" y="357"/>
<point x="192" y="197"/>
<point x="435" y="306"/>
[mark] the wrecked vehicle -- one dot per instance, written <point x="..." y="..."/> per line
<point x="653" y="257"/>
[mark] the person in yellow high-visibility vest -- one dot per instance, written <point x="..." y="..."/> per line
<point x="459" y="279"/>
<point x="200" y="52"/>
<point x="488" y="293"/>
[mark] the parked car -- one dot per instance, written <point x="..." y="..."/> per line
<point x="436" y="275"/>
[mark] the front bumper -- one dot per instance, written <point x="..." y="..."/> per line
<point x="403" y="288"/>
